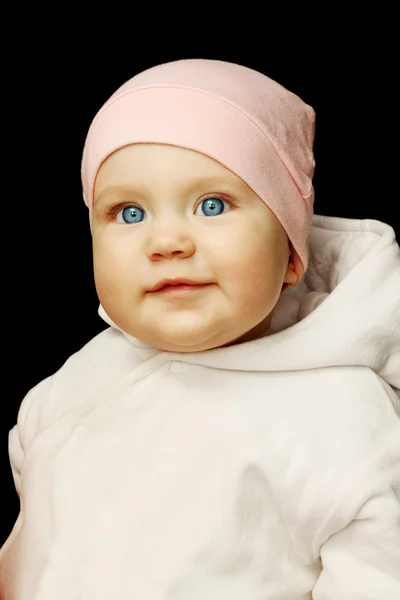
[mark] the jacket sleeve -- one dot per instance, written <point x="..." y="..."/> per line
<point x="26" y="427"/>
<point x="361" y="561"/>
<point x="19" y="436"/>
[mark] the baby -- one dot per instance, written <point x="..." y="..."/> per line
<point x="235" y="433"/>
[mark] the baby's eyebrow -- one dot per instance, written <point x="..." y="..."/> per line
<point x="224" y="181"/>
<point x="210" y="184"/>
<point x="114" y="191"/>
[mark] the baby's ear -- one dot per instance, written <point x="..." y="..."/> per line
<point x="290" y="275"/>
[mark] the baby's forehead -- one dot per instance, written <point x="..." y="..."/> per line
<point x="146" y="165"/>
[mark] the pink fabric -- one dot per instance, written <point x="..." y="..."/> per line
<point x="237" y="116"/>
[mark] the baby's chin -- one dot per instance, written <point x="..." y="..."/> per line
<point x="183" y="344"/>
<point x="186" y="341"/>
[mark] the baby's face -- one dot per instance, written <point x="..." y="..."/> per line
<point x="162" y="212"/>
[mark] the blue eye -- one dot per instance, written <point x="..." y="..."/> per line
<point x="130" y="214"/>
<point x="212" y="207"/>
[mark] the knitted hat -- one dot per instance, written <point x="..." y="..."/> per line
<point x="241" y="118"/>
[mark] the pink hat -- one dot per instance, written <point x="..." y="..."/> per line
<point x="235" y="115"/>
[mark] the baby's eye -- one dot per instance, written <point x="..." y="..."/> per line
<point x="130" y="214"/>
<point x="211" y="207"/>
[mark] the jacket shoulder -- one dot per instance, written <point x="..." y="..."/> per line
<point x="103" y="359"/>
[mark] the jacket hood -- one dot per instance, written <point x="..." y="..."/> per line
<point x="344" y="312"/>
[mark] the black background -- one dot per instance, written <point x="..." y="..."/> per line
<point x="59" y="74"/>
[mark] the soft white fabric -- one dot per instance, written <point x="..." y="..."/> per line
<point x="268" y="470"/>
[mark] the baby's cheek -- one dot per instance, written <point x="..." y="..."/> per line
<point x="109" y="266"/>
<point x="255" y="284"/>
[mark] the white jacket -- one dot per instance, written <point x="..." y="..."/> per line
<point x="268" y="470"/>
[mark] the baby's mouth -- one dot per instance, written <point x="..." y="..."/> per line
<point x="178" y="287"/>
